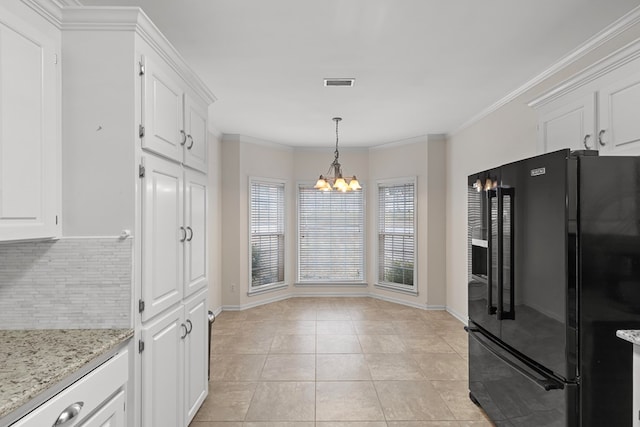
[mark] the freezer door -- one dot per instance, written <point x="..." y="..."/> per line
<point x="534" y="291"/>
<point x="513" y="393"/>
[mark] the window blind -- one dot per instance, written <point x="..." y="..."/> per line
<point x="330" y="236"/>
<point x="267" y="232"/>
<point x="396" y="234"/>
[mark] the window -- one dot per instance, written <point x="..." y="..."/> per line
<point x="396" y="235"/>
<point x="266" y="213"/>
<point x="330" y="236"/>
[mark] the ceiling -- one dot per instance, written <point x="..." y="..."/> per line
<point x="421" y="66"/>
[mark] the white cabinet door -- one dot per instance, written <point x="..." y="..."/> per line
<point x="163" y="111"/>
<point x="111" y="414"/>
<point x="195" y="116"/>
<point x="163" y="235"/>
<point x="195" y="267"/>
<point x="619" y="113"/>
<point x="162" y="366"/>
<point x="569" y="126"/>
<point x="29" y="134"/>
<point x="196" y="355"/>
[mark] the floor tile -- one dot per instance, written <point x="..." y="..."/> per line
<point x="347" y="401"/>
<point x="381" y="344"/>
<point x="283" y="401"/>
<point x="411" y="327"/>
<point x="426" y="344"/>
<point x="423" y="424"/>
<point x="456" y="396"/>
<point x="335" y="327"/>
<point x="240" y="344"/>
<point x="332" y="314"/>
<point x="289" y="367"/>
<point x="236" y="367"/>
<point x="351" y="424"/>
<point x="293" y="344"/>
<point x="341" y="367"/>
<point x="216" y="424"/>
<point x="393" y="367"/>
<point x="374" y="314"/>
<point x="227" y="401"/>
<point x="338" y="344"/>
<point x="373" y="327"/>
<point x="442" y="366"/>
<point x="412" y="400"/>
<point x="278" y="424"/>
<point x="296" y="327"/>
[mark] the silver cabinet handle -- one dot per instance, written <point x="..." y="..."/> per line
<point x="184" y="234"/>
<point x="190" y="145"/>
<point x="186" y="331"/>
<point x="68" y="414"/>
<point x="190" y="326"/>
<point x="190" y="230"/>
<point x="600" y="135"/>
<point x="184" y="137"/>
<point x="584" y="141"/>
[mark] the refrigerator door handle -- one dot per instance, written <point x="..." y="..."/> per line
<point x="502" y="313"/>
<point x="547" y="383"/>
<point x="491" y="309"/>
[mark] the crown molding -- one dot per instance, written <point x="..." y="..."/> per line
<point x="610" y="32"/>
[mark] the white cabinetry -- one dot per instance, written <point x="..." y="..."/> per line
<point x="137" y="111"/>
<point x="97" y="399"/>
<point x="597" y="109"/>
<point x="174" y="365"/>
<point x="174" y="123"/>
<point x="29" y="129"/>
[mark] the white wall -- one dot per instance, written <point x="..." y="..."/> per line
<point x="214" y="221"/>
<point x="243" y="157"/>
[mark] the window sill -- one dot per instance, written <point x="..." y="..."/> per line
<point x="337" y="284"/>
<point x="266" y="288"/>
<point x="392" y="288"/>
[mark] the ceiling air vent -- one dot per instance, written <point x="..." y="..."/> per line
<point x="339" y="82"/>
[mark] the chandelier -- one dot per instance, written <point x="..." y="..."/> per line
<point x="337" y="181"/>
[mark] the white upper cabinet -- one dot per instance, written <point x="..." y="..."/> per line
<point x="571" y="125"/>
<point x="597" y="109"/>
<point x="29" y="131"/>
<point x="174" y="122"/>
<point x="195" y="117"/>
<point x="163" y="113"/>
<point x="619" y="114"/>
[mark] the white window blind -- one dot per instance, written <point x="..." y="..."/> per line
<point x="396" y="234"/>
<point x="330" y="236"/>
<point x="267" y="232"/>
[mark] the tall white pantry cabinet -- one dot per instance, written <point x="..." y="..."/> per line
<point x="135" y="160"/>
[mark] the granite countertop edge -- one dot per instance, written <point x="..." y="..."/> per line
<point x="631" y="335"/>
<point x="37" y="362"/>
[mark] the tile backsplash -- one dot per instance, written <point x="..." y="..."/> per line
<point x="67" y="283"/>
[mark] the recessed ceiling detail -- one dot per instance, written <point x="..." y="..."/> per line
<point x="339" y="82"/>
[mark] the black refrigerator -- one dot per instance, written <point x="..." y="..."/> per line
<point x="554" y="272"/>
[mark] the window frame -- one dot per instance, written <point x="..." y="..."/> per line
<point x="380" y="283"/>
<point x="253" y="290"/>
<point x="363" y="265"/>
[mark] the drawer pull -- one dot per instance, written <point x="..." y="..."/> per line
<point x="68" y="414"/>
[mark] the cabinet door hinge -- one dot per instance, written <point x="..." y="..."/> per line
<point x="140" y="306"/>
<point x="141" y="68"/>
<point x="55" y="58"/>
<point x="141" y="171"/>
<point x="141" y="131"/>
<point x="140" y="346"/>
<point x="56" y="219"/>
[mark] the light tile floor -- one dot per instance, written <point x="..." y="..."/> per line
<point x="338" y="362"/>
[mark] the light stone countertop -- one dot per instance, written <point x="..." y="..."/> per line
<point x="34" y="361"/>
<point x="631" y="335"/>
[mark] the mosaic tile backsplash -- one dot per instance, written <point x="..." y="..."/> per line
<point x="68" y="283"/>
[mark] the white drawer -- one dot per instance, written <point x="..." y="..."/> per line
<point x="92" y="390"/>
